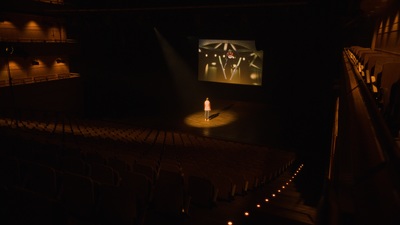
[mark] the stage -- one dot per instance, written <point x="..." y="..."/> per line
<point x="238" y="121"/>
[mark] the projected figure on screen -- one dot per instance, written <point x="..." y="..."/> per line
<point x="229" y="54"/>
<point x="229" y="64"/>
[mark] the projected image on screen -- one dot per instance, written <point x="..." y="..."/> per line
<point x="230" y="61"/>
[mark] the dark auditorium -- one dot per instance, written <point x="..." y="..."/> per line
<point x="245" y="112"/>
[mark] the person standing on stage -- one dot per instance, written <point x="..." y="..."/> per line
<point x="207" y="109"/>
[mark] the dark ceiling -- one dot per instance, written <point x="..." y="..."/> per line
<point x="365" y="6"/>
<point x="342" y="8"/>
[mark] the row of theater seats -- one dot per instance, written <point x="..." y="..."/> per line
<point x="381" y="73"/>
<point x="107" y="172"/>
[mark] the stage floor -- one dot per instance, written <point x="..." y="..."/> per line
<point x="245" y="122"/>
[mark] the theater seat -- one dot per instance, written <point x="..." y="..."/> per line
<point x="169" y="196"/>
<point x="39" y="178"/>
<point x="116" y="205"/>
<point x="77" y="196"/>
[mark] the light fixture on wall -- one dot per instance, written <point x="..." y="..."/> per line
<point x="35" y="62"/>
<point x="59" y="60"/>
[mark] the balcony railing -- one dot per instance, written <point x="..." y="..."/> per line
<point x="36" y="79"/>
<point x="58" y="2"/>
<point x="38" y="40"/>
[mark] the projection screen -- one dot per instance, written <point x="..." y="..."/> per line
<point x="230" y="61"/>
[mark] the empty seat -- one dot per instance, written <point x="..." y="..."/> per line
<point x="116" y="205"/>
<point x="169" y="197"/>
<point x="73" y="164"/>
<point x="118" y="164"/>
<point x="147" y="168"/>
<point x="102" y="173"/>
<point x="201" y="191"/>
<point x="141" y="185"/>
<point x="39" y="178"/>
<point x="392" y="110"/>
<point x="10" y="172"/>
<point x="22" y="206"/>
<point x="390" y="75"/>
<point x="239" y="180"/>
<point x="77" y="196"/>
<point x="224" y="186"/>
<point x="171" y="165"/>
<point x="94" y="157"/>
<point x="47" y="154"/>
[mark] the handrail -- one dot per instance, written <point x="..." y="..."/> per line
<point x="57" y="2"/>
<point x="37" y="40"/>
<point x="37" y="79"/>
<point x="363" y="179"/>
<point x="383" y="134"/>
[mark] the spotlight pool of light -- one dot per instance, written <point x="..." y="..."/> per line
<point x="217" y="119"/>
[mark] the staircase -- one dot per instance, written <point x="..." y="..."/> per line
<point x="283" y="203"/>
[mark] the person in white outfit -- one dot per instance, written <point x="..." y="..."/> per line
<point x="207" y="109"/>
